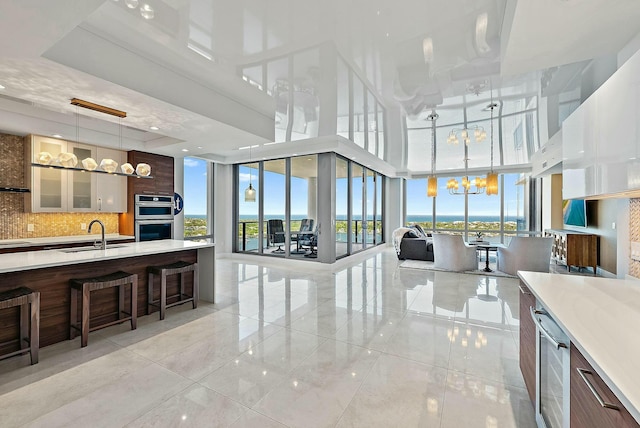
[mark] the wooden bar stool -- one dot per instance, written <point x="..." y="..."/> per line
<point x="172" y="269"/>
<point x="87" y="285"/>
<point x="29" y="302"/>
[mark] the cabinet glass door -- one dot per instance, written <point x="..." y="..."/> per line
<point x="82" y="183"/>
<point x="49" y="180"/>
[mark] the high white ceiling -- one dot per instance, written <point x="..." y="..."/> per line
<point x="179" y="70"/>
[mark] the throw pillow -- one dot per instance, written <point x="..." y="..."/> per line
<point x="412" y="234"/>
<point x="420" y="229"/>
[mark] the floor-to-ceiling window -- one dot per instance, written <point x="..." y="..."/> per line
<point x="357" y="190"/>
<point x="369" y="224"/>
<point x="378" y="215"/>
<point x="284" y="211"/>
<point x="197" y="198"/>
<point x="285" y="199"/>
<point x="274" y="178"/>
<point x="248" y="203"/>
<point x="304" y="205"/>
<point x="495" y="218"/>
<point x="342" y="207"/>
<point x="419" y="206"/>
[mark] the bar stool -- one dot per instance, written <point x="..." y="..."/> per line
<point x="87" y="285"/>
<point x="29" y="302"/>
<point x="172" y="269"/>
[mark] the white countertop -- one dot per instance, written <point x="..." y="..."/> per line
<point x="53" y="240"/>
<point x="13" y="262"/>
<point x="602" y="318"/>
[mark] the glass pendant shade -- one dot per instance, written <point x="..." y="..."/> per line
<point x="44" y="158"/>
<point x="143" y="169"/>
<point x="250" y="194"/>
<point x="492" y="183"/>
<point x="68" y="160"/>
<point x="432" y="186"/>
<point x="108" y="165"/>
<point x="89" y="164"/>
<point x="127" y="168"/>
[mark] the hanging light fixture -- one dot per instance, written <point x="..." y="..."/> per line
<point x="479" y="134"/>
<point x="432" y="181"/>
<point x="474" y="186"/>
<point x="492" y="177"/>
<point x="250" y="192"/>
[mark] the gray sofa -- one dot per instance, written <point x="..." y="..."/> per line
<point x="416" y="249"/>
<point x="416" y="245"/>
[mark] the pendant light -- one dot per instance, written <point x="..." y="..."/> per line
<point x="492" y="177"/>
<point x="250" y="192"/>
<point x="432" y="181"/>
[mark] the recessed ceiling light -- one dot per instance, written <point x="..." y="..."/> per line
<point x="2" y="87"/>
<point x="199" y="147"/>
<point x="185" y="150"/>
<point x="57" y="136"/>
<point x="154" y="128"/>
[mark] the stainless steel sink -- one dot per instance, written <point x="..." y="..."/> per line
<point x="82" y="249"/>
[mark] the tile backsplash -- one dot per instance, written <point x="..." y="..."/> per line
<point x="14" y="221"/>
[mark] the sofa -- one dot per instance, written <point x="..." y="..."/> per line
<point x="413" y="243"/>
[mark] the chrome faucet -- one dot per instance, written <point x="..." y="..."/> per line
<point x="103" y="245"/>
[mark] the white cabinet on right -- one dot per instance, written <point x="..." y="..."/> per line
<point x="601" y="140"/>
<point x="111" y="190"/>
<point x="579" y="151"/>
<point x="617" y="133"/>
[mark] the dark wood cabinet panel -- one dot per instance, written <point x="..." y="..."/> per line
<point x="586" y="411"/>
<point x="527" y="341"/>
<point x="162" y="170"/>
<point x="571" y="248"/>
<point x="53" y="285"/>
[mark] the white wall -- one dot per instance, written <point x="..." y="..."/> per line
<point x="393" y="215"/>
<point x="223" y="208"/>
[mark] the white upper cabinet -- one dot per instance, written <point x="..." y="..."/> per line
<point x="579" y="151"/>
<point x="601" y="141"/>
<point x="57" y="190"/>
<point x="111" y="190"/>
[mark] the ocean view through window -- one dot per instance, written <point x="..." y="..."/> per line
<point x="196" y="175"/>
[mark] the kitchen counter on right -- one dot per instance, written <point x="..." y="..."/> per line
<point x="601" y="316"/>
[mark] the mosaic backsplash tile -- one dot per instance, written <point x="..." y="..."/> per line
<point x="13" y="219"/>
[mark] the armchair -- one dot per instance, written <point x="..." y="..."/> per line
<point x="310" y="240"/>
<point x="275" y="233"/>
<point x="525" y="253"/>
<point x="306" y="228"/>
<point x="452" y="253"/>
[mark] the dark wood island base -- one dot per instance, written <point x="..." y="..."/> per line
<point x="55" y="292"/>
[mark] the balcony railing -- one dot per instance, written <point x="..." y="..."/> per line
<point x="248" y="233"/>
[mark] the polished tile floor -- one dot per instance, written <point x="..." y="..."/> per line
<point x="365" y="345"/>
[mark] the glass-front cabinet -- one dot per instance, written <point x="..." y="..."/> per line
<point x="57" y="190"/>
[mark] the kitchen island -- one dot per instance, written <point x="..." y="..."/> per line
<point x="49" y="271"/>
<point x="601" y="318"/>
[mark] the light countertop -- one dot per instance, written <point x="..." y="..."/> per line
<point x="54" y="240"/>
<point x="13" y="262"/>
<point x="601" y="317"/>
